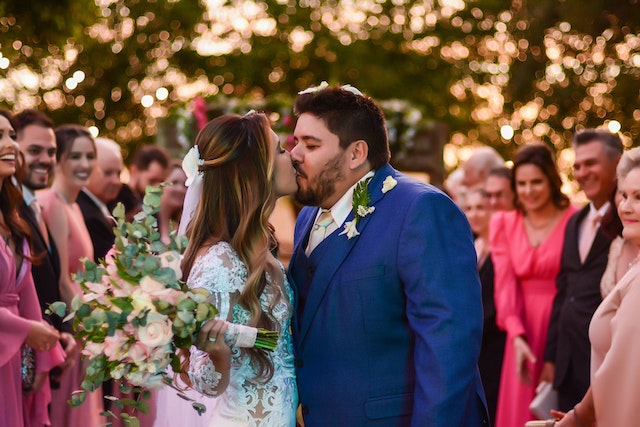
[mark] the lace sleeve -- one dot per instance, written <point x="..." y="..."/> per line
<point x="221" y="272"/>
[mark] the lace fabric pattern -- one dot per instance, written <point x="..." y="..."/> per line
<point x="245" y="402"/>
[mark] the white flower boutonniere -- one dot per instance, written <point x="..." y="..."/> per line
<point x="360" y="203"/>
<point x="388" y="184"/>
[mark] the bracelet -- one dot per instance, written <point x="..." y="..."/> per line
<point x="575" y="417"/>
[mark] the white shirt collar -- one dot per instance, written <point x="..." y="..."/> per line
<point x="98" y="202"/>
<point x="341" y="209"/>
<point x="602" y="211"/>
<point x="28" y="195"/>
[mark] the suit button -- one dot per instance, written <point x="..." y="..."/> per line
<point x="311" y="270"/>
<point x="305" y="410"/>
<point x="299" y="364"/>
<point x="572" y="299"/>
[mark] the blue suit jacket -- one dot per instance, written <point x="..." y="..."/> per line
<point x="391" y="329"/>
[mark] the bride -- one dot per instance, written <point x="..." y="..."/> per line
<point x="241" y="172"/>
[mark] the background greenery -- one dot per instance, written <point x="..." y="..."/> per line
<point x="544" y="67"/>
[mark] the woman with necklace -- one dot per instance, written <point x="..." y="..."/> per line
<point x="475" y="205"/>
<point x="75" y="158"/>
<point x="526" y="248"/>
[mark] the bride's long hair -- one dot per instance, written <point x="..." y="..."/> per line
<point x="237" y="200"/>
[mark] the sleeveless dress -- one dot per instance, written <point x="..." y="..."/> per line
<point x="245" y="402"/>
<point x="79" y="246"/>
<point x="525" y="286"/>
<point x="18" y="307"/>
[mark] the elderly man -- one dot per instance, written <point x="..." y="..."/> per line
<point x="102" y="188"/>
<point x="476" y="168"/>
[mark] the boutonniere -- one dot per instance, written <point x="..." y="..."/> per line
<point x="360" y="204"/>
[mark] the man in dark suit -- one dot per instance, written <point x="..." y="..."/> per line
<point x="584" y="258"/>
<point x="102" y="188"/>
<point x="150" y="166"/>
<point x="388" y="319"/>
<point x="37" y="143"/>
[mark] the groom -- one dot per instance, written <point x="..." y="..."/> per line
<point x="388" y="319"/>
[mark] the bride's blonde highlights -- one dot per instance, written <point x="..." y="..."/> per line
<point x="237" y="201"/>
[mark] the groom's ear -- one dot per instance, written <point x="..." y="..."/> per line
<point x="358" y="154"/>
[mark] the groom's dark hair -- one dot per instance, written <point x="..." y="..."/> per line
<point x="351" y="117"/>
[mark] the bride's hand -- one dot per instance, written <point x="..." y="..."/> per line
<point x="211" y="340"/>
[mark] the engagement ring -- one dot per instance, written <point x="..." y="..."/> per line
<point x="212" y="339"/>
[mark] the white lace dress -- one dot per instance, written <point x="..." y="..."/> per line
<point x="245" y="402"/>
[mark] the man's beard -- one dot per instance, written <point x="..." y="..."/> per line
<point x="323" y="186"/>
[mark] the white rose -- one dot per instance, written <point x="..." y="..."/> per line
<point x="350" y="229"/>
<point x="157" y="332"/>
<point x="388" y="184"/>
<point x="141" y="299"/>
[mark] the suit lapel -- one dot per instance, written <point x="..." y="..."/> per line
<point x="335" y="256"/>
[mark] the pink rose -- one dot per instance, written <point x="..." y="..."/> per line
<point x="137" y="353"/>
<point x="92" y="349"/>
<point x="114" y="345"/>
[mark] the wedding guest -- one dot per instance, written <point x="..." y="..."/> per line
<point x="149" y="167"/>
<point x="102" y="188"/>
<point x="243" y="171"/>
<point x="614" y="396"/>
<point x="584" y="258"/>
<point x="526" y="246"/>
<point x="20" y="316"/>
<point x="476" y="207"/>
<point x="498" y="188"/>
<point x="171" y="201"/>
<point x="37" y="143"/>
<point x="453" y="186"/>
<point x="478" y="165"/>
<point x="622" y="252"/>
<point x="388" y="324"/>
<point x="75" y="160"/>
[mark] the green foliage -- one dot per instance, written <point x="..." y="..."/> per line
<point x="474" y="68"/>
<point x="135" y="312"/>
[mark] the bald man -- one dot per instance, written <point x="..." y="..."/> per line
<point x="476" y="168"/>
<point x="102" y="188"/>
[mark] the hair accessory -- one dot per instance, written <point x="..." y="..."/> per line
<point x="191" y="164"/>
<point x="314" y="89"/>
<point x="325" y="85"/>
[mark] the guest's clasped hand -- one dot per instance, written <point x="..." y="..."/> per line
<point x="523" y="355"/>
<point x="41" y="336"/>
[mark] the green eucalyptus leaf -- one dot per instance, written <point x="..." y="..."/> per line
<point x="59" y="308"/>
<point x="77" y="398"/>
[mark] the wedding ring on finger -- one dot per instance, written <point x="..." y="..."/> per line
<point x="212" y="339"/>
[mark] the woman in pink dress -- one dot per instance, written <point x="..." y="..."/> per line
<point x="20" y="316"/>
<point x="526" y="246"/>
<point x="75" y="157"/>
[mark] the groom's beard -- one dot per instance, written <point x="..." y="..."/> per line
<point x="323" y="186"/>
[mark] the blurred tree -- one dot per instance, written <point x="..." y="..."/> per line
<point x="539" y="70"/>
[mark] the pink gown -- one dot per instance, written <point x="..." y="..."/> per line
<point x="525" y="285"/>
<point x="79" y="246"/>
<point x="18" y="306"/>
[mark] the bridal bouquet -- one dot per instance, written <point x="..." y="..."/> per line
<point x="135" y="312"/>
